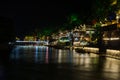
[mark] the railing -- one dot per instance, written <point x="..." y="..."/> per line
<point x="113" y="53"/>
<point x="31" y="42"/>
<point x="109" y="52"/>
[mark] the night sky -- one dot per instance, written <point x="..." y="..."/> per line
<point x="28" y="15"/>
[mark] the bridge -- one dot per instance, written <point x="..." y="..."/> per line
<point x="31" y="43"/>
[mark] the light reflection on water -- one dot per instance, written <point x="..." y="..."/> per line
<point x="46" y="55"/>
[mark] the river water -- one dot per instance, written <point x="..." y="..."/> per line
<point x="47" y="63"/>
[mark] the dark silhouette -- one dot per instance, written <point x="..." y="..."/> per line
<point x="7" y="36"/>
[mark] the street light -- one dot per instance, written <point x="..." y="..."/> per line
<point x="117" y="18"/>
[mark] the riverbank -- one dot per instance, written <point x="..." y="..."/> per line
<point x="109" y="52"/>
<point x="61" y="47"/>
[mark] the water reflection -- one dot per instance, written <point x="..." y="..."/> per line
<point x="46" y="55"/>
<point x="65" y="56"/>
<point x="70" y="64"/>
<point x="36" y="54"/>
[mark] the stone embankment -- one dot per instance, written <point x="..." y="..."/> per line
<point x="109" y="52"/>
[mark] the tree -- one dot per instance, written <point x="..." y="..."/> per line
<point x="102" y="8"/>
<point x="73" y="20"/>
<point x="98" y="36"/>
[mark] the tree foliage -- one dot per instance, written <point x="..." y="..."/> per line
<point x="102" y="8"/>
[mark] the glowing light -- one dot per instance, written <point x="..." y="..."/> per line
<point x="103" y="25"/>
<point x="113" y="51"/>
<point x="74" y="17"/>
<point x="111" y="38"/>
<point x="64" y="39"/>
<point x="114" y="2"/>
<point x="95" y="50"/>
<point x="46" y="58"/>
<point x="60" y="56"/>
<point x="38" y="42"/>
<point x="36" y="54"/>
<point x="9" y="43"/>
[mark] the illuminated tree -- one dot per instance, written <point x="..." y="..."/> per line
<point x="73" y="20"/>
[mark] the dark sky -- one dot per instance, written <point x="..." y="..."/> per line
<point x="30" y="14"/>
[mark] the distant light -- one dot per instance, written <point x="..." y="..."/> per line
<point x="114" y="2"/>
<point x="61" y="33"/>
<point x="9" y="43"/>
<point x="111" y="38"/>
<point x="103" y="25"/>
<point x="88" y="32"/>
<point x="117" y="17"/>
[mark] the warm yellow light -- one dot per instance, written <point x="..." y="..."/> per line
<point x="117" y="17"/>
<point x="114" y="2"/>
<point x="103" y="25"/>
<point x="117" y="38"/>
<point x="118" y="25"/>
<point x="113" y="51"/>
<point x="17" y="38"/>
<point x="114" y="22"/>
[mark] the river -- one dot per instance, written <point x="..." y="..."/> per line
<point x="47" y="63"/>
